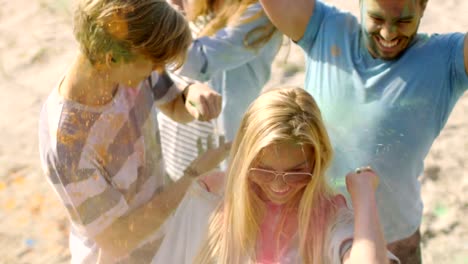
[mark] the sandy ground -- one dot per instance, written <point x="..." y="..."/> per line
<point x="36" y="45"/>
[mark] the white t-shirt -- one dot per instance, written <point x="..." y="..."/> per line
<point x="104" y="162"/>
<point x="188" y="228"/>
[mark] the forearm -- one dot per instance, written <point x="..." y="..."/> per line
<point x="180" y="114"/>
<point x="126" y="233"/>
<point x="369" y="245"/>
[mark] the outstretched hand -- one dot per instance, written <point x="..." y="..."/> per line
<point x="362" y="181"/>
<point x="202" y="102"/>
<point x="208" y="160"/>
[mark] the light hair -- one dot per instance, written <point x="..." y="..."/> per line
<point x="286" y="115"/>
<point x="127" y="28"/>
<point x="230" y="14"/>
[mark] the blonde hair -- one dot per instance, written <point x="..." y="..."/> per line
<point x="230" y="14"/>
<point x="127" y="28"/>
<point x="287" y="115"/>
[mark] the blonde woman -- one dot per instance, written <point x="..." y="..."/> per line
<point x="98" y="133"/>
<point x="276" y="205"/>
<point x="233" y="49"/>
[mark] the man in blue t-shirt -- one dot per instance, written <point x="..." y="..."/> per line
<point x="385" y="92"/>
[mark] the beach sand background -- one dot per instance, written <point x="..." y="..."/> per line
<point x="36" y="46"/>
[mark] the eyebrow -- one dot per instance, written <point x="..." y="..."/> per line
<point x="292" y="168"/>
<point x="372" y="14"/>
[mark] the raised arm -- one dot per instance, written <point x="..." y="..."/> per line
<point x="290" y="17"/>
<point x="369" y="245"/>
<point x="226" y="49"/>
<point x="126" y="233"/>
<point x="182" y="102"/>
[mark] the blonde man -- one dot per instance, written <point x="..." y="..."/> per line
<point x="99" y="138"/>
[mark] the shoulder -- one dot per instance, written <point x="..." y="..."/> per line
<point x="64" y="129"/>
<point x="328" y="22"/>
<point x="441" y="41"/>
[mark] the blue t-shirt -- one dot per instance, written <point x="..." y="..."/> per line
<point x="382" y="113"/>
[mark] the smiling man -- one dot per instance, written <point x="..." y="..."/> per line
<point x="385" y="91"/>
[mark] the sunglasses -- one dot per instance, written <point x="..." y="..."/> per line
<point x="262" y="175"/>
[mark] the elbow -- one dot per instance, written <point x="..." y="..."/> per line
<point x="112" y="249"/>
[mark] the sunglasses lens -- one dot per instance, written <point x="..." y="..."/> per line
<point x="261" y="175"/>
<point x="296" y="178"/>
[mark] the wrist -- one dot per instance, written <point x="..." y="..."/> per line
<point x="185" y="91"/>
<point x="364" y="199"/>
<point x="191" y="172"/>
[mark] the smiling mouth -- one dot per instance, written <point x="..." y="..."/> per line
<point x="387" y="44"/>
<point x="280" y="190"/>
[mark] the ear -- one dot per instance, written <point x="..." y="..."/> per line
<point x="109" y="59"/>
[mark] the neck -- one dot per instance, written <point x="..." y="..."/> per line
<point x="88" y="84"/>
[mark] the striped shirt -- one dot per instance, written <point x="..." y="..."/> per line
<point x="236" y="72"/>
<point x="103" y="162"/>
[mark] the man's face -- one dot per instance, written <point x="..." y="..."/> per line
<point x="390" y="25"/>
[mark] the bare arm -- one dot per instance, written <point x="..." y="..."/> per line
<point x="465" y="53"/>
<point x="201" y="103"/>
<point x="126" y="233"/>
<point x="197" y="100"/>
<point x="369" y="245"/>
<point x="290" y="17"/>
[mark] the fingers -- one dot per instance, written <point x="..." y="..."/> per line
<point x="210" y="106"/>
<point x="226" y="146"/>
<point x="363" y="178"/>
<point x="210" y="159"/>
<point x="192" y="110"/>
<point x="206" y="101"/>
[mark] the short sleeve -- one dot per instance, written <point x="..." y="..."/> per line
<point x="91" y="200"/>
<point x="313" y="26"/>
<point x="341" y="237"/>
<point x="327" y="24"/>
<point x="163" y="87"/>
<point x="459" y="70"/>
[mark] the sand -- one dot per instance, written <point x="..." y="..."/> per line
<point x="36" y="45"/>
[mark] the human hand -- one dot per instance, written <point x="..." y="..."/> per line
<point x="213" y="181"/>
<point x="202" y="102"/>
<point x="208" y="160"/>
<point x="362" y="181"/>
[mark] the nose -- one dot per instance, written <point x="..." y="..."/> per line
<point x="279" y="182"/>
<point x="388" y="32"/>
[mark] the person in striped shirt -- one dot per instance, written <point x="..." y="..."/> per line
<point x="233" y="49"/>
<point x="98" y="132"/>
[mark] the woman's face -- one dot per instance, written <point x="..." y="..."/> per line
<point x="281" y="172"/>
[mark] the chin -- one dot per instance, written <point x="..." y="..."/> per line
<point x="289" y="199"/>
